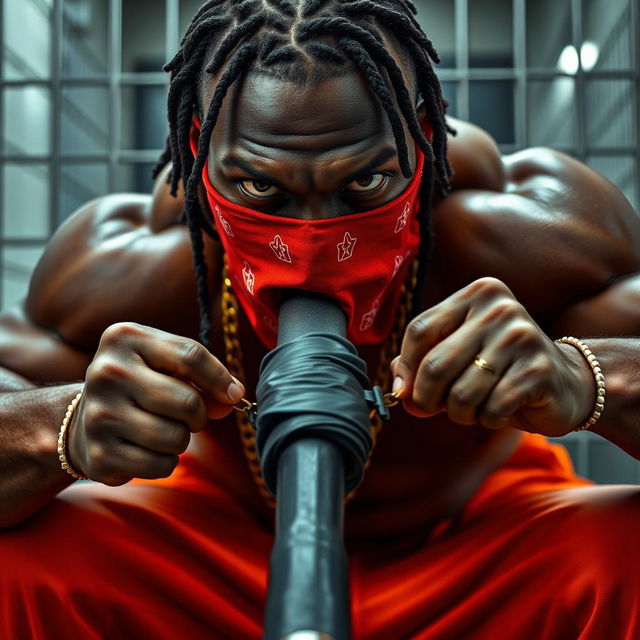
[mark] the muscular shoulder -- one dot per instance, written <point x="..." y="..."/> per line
<point x="119" y="258"/>
<point x="554" y="230"/>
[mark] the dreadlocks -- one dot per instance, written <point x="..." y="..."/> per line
<point x="301" y="41"/>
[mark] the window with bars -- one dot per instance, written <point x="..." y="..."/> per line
<point x="82" y="110"/>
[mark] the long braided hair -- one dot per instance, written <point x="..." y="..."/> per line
<point x="301" y="41"/>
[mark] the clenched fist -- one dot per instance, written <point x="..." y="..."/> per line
<point x="480" y="357"/>
<point x="146" y="392"/>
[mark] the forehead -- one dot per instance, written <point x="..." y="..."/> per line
<point x="271" y="111"/>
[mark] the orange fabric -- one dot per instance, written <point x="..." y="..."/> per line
<point x="537" y="553"/>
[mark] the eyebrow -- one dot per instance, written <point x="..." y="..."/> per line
<point x="382" y="156"/>
<point x="256" y="173"/>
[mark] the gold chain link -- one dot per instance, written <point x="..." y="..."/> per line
<point x="233" y="354"/>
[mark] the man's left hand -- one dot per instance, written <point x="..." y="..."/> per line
<point x="480" y="357"/>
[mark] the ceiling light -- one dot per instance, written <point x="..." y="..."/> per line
<point x="568" y="62"/>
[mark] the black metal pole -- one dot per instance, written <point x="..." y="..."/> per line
<point x="308" y="585"/>
<point x="308" y="594"/>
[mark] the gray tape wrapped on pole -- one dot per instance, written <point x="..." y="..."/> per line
<point x="313" y="439"/>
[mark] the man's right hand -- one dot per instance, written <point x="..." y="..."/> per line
<point x="146" y="391"/>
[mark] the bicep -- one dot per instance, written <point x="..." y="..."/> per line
<point x="614" y="311"/>
<point x="35" y="353"/>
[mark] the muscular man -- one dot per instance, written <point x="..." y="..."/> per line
<point x="288" y="115"/>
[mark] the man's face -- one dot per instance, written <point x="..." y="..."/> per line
<point x="307" y="153"/>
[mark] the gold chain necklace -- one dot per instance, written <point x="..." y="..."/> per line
<point x="233" y="354"/>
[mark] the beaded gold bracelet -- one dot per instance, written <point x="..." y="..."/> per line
<point x="598" y="375"/>
<point x="62" y="439"/>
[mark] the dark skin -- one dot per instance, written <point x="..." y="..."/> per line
<point x="543" y="246"/>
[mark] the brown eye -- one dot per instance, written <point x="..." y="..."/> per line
<point x="257" y="189"/>
<point x="368" y="184"/>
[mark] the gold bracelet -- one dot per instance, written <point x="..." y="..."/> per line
<point x="62" y="439"/>
<point x="599" y="377"/>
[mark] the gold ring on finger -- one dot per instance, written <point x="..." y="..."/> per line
<point x="483" y="364"/>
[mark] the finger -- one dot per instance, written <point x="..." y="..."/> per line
<point x="154" y="433"/>
<point x="178" y="356"/>
<point x="442" y="365"/>
<point x="120" y="462"/>
<point x="168" y="397"/>
<point x="507" y="397"/>
<point x="473" y="386"/>
<point x="422" y="334"/>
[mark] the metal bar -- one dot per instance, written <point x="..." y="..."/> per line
<point x="634" y="8"/>
<point x="537" y="73"/>
<point x="2" y="162"/>
<point x="520" y="61"/>
<point x="172" y="34"/>
<point x="115" y="70"/>
<point x="57" y="27"/>
<point x="134" y="78"/>
<point x="601" y="74"/>
<point x="26" y="243"/>
<point x="580" y="92"/>
<point x="138" y="155"/>
<point x="461" y="22"/>
<point x="147" y="78"/>
<point x="475" y="73"/>
<point x="125" y="155"/>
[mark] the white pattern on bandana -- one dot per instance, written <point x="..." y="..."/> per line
<point x="401" y="222"/>
<point x="281" y="249"/>
<point x="367" y="319"/>
<point x="249" y="278"/>
<point x="225" y="225"/>
<point x="345" y="248"/>
<point x="399" y="261"/>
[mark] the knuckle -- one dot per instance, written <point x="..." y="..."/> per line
<point x="97" y="415"/>
<point x="503" y="406"/>
<point x="488" y="286"/>
<point x="491" y="413"/>
<point x="116" y="333"/>
<point x="432" y="368"/>
<point x="504" y="309"/>
<point x="191" y="353"/>
<point x="462" y="396"/>
<point x="416" y="329"/>
<point x="540" y="368"/>
<point x="191" y="404"/>
<point x="106" y="369"/>
<point x="521" y="333"/>
<point x="421" y="396"/>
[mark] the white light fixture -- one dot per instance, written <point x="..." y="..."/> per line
<point x="568" y="62"/>
<point x="589" y="53"/>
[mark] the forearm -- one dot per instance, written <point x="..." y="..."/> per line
<point x="30" y="473"/>
<point x="620" y="362"/>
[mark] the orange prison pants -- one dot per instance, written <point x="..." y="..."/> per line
<point x="538" y="554"/>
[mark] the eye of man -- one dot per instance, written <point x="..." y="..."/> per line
<point x="257" y="189"/>
<point x="365" y="185"/>
<point x="369" y="183"/>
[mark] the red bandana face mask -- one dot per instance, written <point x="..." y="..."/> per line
<point x="360" y="260"/>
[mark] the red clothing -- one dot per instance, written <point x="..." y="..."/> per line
<point x="537" y="553"/>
